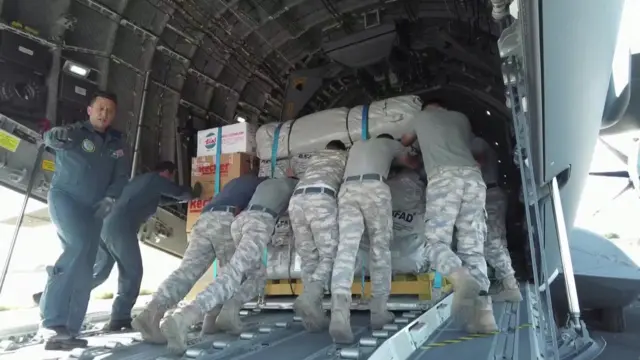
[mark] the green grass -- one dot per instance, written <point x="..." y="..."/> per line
<point x="104" y="296"/>
<point x="145" y="292"/>
<point x="612" y="236"/>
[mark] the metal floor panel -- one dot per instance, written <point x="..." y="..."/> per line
<point x="264" y="338"/>
<point x="512" y="342"/>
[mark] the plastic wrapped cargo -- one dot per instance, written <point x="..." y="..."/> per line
<point x="283" y="232"/>
<point x="408" y="190"/>
<point x="312" y="132"/>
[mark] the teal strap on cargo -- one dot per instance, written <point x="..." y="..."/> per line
<point x="437" y="280"/>
<point x="217" y="182"/>
<point x="365" y="136"/>
<point x="365" y="122"/>
<point x="274" y="149"/>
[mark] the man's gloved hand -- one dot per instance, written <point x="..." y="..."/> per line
<point x="196" y="191"/>
<point x="104" y="207"/>
<point x="60" y="134"/>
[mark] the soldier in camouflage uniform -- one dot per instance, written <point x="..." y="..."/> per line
<point x="364" y="202"/>
<point x="455" y="198"/>
<point x="210" y="238"/>
<point x="495" y="245"/>
<point x="251" y="231"/>
<point x="313" y="211"/>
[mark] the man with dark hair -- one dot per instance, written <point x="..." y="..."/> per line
<point x="364" y="202"/>
<point x="313" y="212"/>
<point x="139" y="201"/>
<point x="91" y="171"/>
<point x="455" y="199"/>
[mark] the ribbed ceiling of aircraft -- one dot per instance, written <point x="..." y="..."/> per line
<point x="211" y="61"/>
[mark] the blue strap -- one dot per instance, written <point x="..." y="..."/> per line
<point x="365" y="136"/>
<point x="217" y="182"/>
<point x="274" y="149"/>
<point x="365" y="122"/>
<point x="437" y="280"/>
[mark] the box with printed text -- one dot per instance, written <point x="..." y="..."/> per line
<point x="203" y="170"/>
<point x="240" y="137"/>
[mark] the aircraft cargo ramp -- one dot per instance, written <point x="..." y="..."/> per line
<point x="415" y="335"/>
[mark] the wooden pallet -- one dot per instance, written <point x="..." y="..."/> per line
<point x="417" y="285"/>
<point x="283" y="287"/>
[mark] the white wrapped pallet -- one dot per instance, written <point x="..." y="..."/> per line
<point x="408" y="191"/>
<point x="282" y="263"/>
<point x="283" y="232"/>
<point x="312" y="132"/>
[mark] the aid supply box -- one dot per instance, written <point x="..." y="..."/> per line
<point x="203" y="170"/>
<point x="240" y="137"/>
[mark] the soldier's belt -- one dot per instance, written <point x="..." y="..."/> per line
<point x="263" y="209"/>
<point x="365" y="177"/>
<point x="315" y="190"/>
<point x="224" y="208"/>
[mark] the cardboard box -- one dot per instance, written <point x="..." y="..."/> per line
<point x="203" y="170"/>
<point x="240" y="137"/>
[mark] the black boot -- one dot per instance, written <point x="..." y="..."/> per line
<point x="118" y="325"/>
<point x="63" y="340"/>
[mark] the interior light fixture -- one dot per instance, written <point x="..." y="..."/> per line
<point x="240" y="119"/>
<point x="488" y="113"/>
<point x="76" y="69"/>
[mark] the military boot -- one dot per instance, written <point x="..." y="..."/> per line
<point x="309" y="307"/>
<point x="148" y="323"/>
<point x="340" y="326"/>
<point x="63" y="340"/>
<point x="483" y="321"/>
<point x="379" y="314"/>
<point x="209" y="324"/>
<point x="229" y="318"/>
<point x="176" y="327"/>
<point x="118" y="325"/>
<point x="465" y="291"/>
<point x="508" y="290"/>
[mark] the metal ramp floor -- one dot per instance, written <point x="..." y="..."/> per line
<point x="513" y="341"/>
<point x="268" y="335"/>
<point x="428" y="335"/>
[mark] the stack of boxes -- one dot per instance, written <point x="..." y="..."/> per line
<point x="237" y="157"/>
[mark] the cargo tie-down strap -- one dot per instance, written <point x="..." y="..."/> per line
<point x="364" y="132"/>
<point x="217" y="183"/>
<point x="468" y="337"/>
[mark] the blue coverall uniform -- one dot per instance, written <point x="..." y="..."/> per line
<point x="138" y="202"/>
<point x="89" y="167"/>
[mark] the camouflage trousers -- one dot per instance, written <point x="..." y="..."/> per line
<point x="314" y="220"/>
<point x="495" y="245"/>
<point x="210" y="238"/>
<point x="251" y="231"/>
<point x="456" y="199"/>
<point x="364" y="205"/>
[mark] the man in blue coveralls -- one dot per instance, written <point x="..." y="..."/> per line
<point x="91" y="171"/>
<point x="138" y="202"/>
